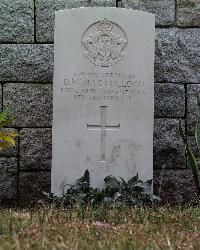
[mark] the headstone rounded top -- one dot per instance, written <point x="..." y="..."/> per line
<point x="121" y="10"/>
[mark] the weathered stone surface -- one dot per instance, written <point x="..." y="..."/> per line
<point x="188" y="13"/>
<point x="8" y="178"/>
<point x="168" y="146"/>
<point x="98" y="3"/>
<point x="17" y="21"/>
<point x="177" y="55"/>
<point x="12" y="151"/>
<point x="192" y="109"/>
<point x="163" y="9"/>
<point x="31" y="186"/>
<point x="31" y="103"/>
<point x="169" y="100"/>
<point x="45" y="14"/>
<point x="35" y="149"/>
<point x="26" y="62"/>
<point x="177" y="186"/>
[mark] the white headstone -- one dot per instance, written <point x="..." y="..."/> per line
<point x="103" y="95"/>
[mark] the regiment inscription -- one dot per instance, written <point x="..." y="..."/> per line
<point x="107" y="86"/>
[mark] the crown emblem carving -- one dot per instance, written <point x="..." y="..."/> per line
<point x="104" y="47"/>
<point x="105" y="25"/>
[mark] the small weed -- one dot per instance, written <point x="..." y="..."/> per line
<point x="117" y="193"/>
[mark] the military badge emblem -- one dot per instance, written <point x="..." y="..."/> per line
<point x="104" y="43"/>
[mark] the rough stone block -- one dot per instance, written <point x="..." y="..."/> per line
<point x="188" y="13"/>
<point x="177" y="55"/>
<point x="31" y="186"/>
<point x="45" y="14"/>
<point x="31" y="104"/>
<point x="17" y="21"/>
<point x="26" y="62"/>
<point x="169" y="100"/>
<point x="192" y="109"/>
<point x="8" y="178"/>
<point x="12" y="151"/>
<point x="176" y="186"/>
<point x="164" y="10"/>
<point x="169" y="149"/>
<point x="35" y="149"/>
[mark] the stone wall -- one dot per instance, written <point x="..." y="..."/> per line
<point x="26" y="72"/>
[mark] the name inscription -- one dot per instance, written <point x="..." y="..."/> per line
<point x="93" y="86"/>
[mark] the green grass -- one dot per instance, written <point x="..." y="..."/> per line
<point x="102" y="228"/>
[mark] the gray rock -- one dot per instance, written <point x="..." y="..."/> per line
<point x="26" y="62"/>
<point x="169" y="100"/>
<point x="31" y="186"/>
<point x="45" y="14"/>
<point x="177" y="55"/>
<point x="169" y="150"/>
<point x="31" y="104"/>
<point x="17" y="21"/>
<point x="12" y="151"/>
<point x="176" y="186"/>
<point x="8" y="178"/>
<point x="192" y="110"/>
<point x="188" y="13"/>
<point x="163" y="9"/>
<point x="35" y="148"/>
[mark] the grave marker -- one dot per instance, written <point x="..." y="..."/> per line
<point x="103" y="95"/>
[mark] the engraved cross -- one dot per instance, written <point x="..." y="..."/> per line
<point x="103" y="128"/>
